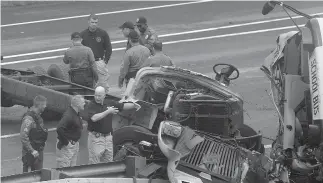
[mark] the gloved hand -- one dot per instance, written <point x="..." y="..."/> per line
<point x="35" y="153"/>
<point x="59" y="145"/>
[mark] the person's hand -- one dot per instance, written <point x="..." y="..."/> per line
<point x="35" y="153"/>
<point x="113" y="110"/>
<point x="59" y="145"/>
<point x="95" y="76"/>
<point x="120" y="84"/>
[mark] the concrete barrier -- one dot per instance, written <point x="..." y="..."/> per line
<point x="27" y="3"/>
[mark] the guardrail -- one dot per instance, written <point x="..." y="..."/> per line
<point x="121" y="169"/>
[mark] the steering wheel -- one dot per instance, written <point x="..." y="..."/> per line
<point x="227" y="71"/>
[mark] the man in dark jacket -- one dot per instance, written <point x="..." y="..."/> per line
<point x="69" y="132"/>
<point x="99" y="41"/>
<point x="33" y="135"/>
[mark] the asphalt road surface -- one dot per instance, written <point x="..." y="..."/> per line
<point x="236" y="42"/>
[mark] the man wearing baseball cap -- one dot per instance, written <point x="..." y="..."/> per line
<point x="133" y="59"/>
<point x="83" y="69"/>
<point x="147" y="35"/>
<point x="126" y="28"/>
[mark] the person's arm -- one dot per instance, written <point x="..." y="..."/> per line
<point x="61" y="129"/>
<point x="108" y="47"/>
<point x="152" y="37"/>
<point x="124" y="67"/>
<point x="148" y="62"/>
<point x="65" y="59"/>
<point x="92" y="64"/>
<point x="171" y="62"/>
<point x="99" y="116"/>
<point x="83" y="40"/>
<point x="27" y="125"/>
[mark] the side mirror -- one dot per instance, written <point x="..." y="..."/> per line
<point x="268" y="7"/>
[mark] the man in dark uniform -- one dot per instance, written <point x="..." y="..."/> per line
<point x="126" y="28"/>
<point x="133" y="60"/>
<point x="147" y="35"/>
<point x="99" y="118"/>
<point x="99" y="41"/>
<point x="69" y="132"/>
<point x="159" y="58"/>
<point x="83" y="69"/>
<point x="33" y="135"/>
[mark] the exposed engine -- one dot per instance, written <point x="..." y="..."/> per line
<point x="200" y="111"/>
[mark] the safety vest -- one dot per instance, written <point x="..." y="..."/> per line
<point x="38" y="135"/>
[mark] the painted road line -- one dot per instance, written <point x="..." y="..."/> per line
<point x="106" y="13"/>
<point x="168" y="35"/>
<point x="170" y="42"/>
<point x="233" y="34"/>
<point x="46" y="58"/>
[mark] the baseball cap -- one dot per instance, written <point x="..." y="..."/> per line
<point x="128" y="25"/>
<point x="133" y="35"/>
<point x="75" y="35"/>
<point x="141" y="20"/>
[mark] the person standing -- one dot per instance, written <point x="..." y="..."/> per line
<point x="147" y="35"/>
<point x="83" y="70"/>
<point x="69" y="132"/>
<point x="126" y="28"/>
<point x="99" y="41"/>
<point x="133" y="60"/>
<point x="159" y="58"/>
<point x="99" y="118"/>
<point x="33" y="135"/>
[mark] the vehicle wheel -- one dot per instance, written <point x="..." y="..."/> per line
<point x="37" y="70"/>
<point x="246" y="131"/>
<point x="128" y="136"/>
<point x="49" y="115"/>
<point x="58" y="71"/>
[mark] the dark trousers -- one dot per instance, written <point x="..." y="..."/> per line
<point x="29" y="161"/>
<point x="82" y="77"/>
<point x="129" y="76"/>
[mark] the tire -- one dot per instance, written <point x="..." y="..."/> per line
<point x="246" y="131"/>
<point x="37" y="70"/>
<point x="128" y="135"/>
<point x="59" y="72"/>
